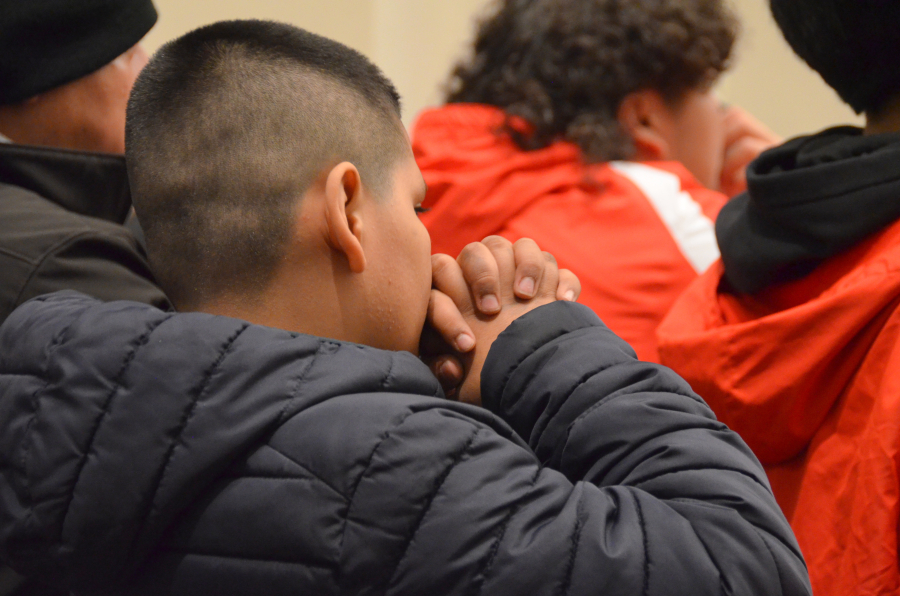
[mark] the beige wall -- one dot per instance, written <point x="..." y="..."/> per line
<point x="770" y="81"/>
<point x="413" y="41"/>
<point x="417" y="41"/>
<point x="348" y="21"/>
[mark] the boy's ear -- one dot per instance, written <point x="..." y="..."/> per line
<point x="343" y="216"/>
<point x="645" y="118"/>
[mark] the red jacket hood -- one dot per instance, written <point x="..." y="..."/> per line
<point x="472" y="169"/>
<point x="773" y="365"/>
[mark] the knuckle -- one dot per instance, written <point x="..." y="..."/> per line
<point x="440" y="263"/>
<point x="497" y="242"/>
<point x="473" y="256"/>
<point x="470" y="249"/>
<point x="444" y="274"/>
<point x="483" y="283"/>
<point x="549" y="257"/>
<point x="525" y="244"/>
<point x="531" y="269"/>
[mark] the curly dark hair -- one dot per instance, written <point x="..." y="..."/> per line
<point x="564" y="66"/>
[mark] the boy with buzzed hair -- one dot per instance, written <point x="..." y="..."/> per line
<point x="268" y="451"/>
<point x="792" y="338"/>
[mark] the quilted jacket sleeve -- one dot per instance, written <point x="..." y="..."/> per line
<point x="636" y="488"/>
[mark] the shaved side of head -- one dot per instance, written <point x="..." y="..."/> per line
<point x="227" y="128"/>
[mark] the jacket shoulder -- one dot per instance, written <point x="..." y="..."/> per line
<point x="45" y="248"/>
<point x="343" y="485"/>
<point x="31" y="225"/>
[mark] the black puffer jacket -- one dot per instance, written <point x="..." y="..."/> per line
<point x="155" y="453"/>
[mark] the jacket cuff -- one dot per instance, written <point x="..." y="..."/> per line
<point x="522" y="348"/>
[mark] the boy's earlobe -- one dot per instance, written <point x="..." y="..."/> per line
<point x="343" y="216"/>
<point x="642" y="115"/>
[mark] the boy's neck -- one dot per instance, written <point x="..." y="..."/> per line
<point x="311" y="305"/>
<point x="886" y="119"/>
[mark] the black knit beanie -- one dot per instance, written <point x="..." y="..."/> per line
<point x="853" y="44"/>
<point x="47" y="43"/>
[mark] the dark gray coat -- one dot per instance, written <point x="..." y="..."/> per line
<point x="61" y="215"/>
<point x="146" y="452"/>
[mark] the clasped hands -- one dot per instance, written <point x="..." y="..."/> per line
<point x="476" y="296"/>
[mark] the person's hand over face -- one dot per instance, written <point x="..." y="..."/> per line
<point x="476" y="296"/>
<point x="745" y="138"/>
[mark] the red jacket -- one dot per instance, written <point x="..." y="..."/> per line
<point x="635" y="234"/>
<point x="808" y="373"/>
<point x="793" y="338"/>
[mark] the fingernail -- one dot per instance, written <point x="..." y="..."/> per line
<point x="446" y="371"/>
<point x="464" y="342"/>
<point x="526" y="286"/>
<point x="490" y="303"/>
<point x="570" y="296"/>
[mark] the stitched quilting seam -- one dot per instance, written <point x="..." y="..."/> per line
<point x="272" y="477"/>
<point x="306" y="470"/>
<point x="457" y="457"/>
<point x="646" y="544"/>
<point x="194" y="553"/>
<point x="150" y="505"/>
<point x="548" y="418"/>
<point x="512" y="369"/>
<point x="622" y="393"/>
<point x="706" y="550"/>
<point x="35" y="403"/>
<point x="107" y="405"/>
<point x="759" y="529"/>
<point x="634" y="446"/>
<point x="573" y="550"/>
<point x="637" y="482"/>
<point x="481" y="578"/>
<point x="298" y="385"/>
<point x="774" y="560"/>
<point x="358" y="481"/>
<point x="388" y="377"/>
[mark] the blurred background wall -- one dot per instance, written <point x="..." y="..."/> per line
<point x="417" y="41"/>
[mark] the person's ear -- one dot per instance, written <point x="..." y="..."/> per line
<point x="645" y="117"/>
<point x="343" y="216"/>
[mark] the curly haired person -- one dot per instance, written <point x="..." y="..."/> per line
<point x="793" y="336"/>
<point x="591" y="126"/>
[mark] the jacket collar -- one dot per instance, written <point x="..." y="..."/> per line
<point x="808" y="200"/>
<point x="91" y="184"/>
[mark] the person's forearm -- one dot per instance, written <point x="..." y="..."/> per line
<point x="591" y="410"/>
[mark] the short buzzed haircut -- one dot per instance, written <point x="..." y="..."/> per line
<point x="227" y="127"/>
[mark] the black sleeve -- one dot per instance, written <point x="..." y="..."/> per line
<point x="636" y="488"/>
<point x="105" y="266"/>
